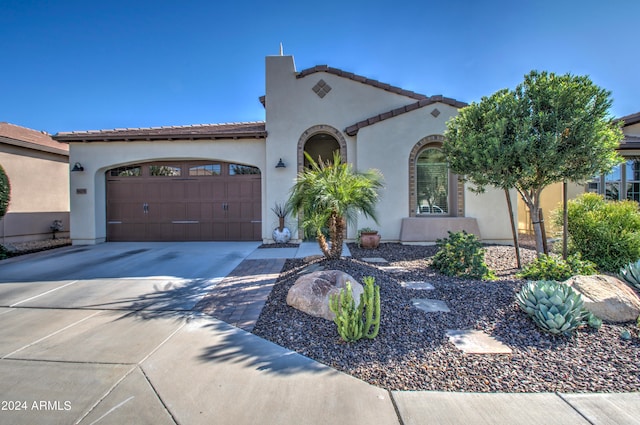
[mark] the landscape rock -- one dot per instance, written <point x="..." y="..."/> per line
<point x="311" y="292"/>
<point x="607" y="297"/>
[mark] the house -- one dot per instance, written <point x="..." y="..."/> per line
<point x="220" y="181"/>
<point x="38" y="171"/>
<point x="623" y="182"/>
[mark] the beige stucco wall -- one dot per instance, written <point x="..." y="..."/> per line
<point x="39" y="193"/>
<point x="386" y="146"/>
<point x="292" y="108"/>
<point x="88" y="211"/>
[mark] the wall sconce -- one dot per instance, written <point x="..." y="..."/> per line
<point x="77" y="167"/>
<point x="280" y="164"/>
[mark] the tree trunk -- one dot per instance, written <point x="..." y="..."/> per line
<point x="532" y="201"/>
<point x="322" y="241"/>
<point x="337" y="237"/>
<point x="514" y="230"/>
<point x="543" y="231"/>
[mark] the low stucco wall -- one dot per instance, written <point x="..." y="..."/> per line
<point x="430" y="229"/>
<point x="25" y="227"/>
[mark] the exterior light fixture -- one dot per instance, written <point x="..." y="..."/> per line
<point x="280" y="164"/>
<point x="77" y="167"/>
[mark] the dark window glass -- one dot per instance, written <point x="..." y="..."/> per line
<point x="134" y="171"/>
<point x="237" y="169"/>
<point x="164" y="170"/>
<point x="432" y="182"/>
<point x="205" y="170"/>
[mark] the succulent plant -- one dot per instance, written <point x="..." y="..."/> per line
<point x="631" y="274"/>
<point x="555" y="307"/>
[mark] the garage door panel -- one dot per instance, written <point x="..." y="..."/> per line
<point x="187" y="207"/>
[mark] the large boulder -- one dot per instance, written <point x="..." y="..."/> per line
<point x="607" y="297"/>
<point x="311" y="292"/>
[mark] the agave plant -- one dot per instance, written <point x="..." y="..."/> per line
<point x="555" y="307"/>
<point x="631" y="274"/>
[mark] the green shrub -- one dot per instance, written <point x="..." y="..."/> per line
<point x="354" y="322"/>
<point x="5" y="192"/>
<point x="552" y="267"/>
<point x="555" y="307"/>
<point x="461" y="254"/>
<point x="605" y="232"/>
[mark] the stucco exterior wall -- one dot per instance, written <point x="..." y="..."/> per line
<point x="39" y="193"/>
<point x="292" y="108"/>
<point x="88" y="187"/>
<point x="386" y="146"/>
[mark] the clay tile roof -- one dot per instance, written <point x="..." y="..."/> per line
<point x="630" y="119"/>
<point x="241" y="130"/>
<point x="31" y="139"/>
<point x="360" y="79"/>
<point x="352" y="130"/>
<point x="630" y="143"/>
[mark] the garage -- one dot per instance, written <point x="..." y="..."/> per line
<point x="184" y="201"/>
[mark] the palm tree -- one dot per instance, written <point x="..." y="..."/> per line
<point x="330" y="194"/>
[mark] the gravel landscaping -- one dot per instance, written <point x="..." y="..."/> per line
<point x="412" y="351"/>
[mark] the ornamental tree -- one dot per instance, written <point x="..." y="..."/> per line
<point x="330" y="194"/>
<point x="549" y="129"/>
<point x="5" y="192"/>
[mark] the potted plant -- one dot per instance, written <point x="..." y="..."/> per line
<point x="281" y="234"/>
<point x="368" y="238"/>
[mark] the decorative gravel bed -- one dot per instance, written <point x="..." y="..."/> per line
<point x="21" y="248"/>
<point x="412" y="351"/>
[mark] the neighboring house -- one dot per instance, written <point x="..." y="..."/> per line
<point x="38" y="171"/>
<point x="623" y="182"/>
<point x="220" y="181"/>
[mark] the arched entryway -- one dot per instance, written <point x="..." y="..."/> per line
<point x="320" y="141"/>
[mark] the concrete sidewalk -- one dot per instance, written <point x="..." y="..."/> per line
<point x="114" y="350"/>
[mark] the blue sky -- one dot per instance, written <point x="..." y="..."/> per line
<point x="81" y="65"/>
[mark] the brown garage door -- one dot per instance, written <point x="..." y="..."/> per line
<point x="184" y="201"/>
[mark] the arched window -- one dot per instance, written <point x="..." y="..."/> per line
<point x="432" y="182"/>
<point x="433" y="189"/>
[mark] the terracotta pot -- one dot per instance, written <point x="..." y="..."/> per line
<point x="369" y="240"/>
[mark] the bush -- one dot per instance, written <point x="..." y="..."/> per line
<point x="551" y="267"/>
<point x="605" y="232"/>
<point x="461" y="254"/>
<point x="5" y="192"/>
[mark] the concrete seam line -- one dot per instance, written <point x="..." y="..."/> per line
<point x="109" y="391"/>
<point x="574" y="408"/>
<point x="395" y="407"/>
<point x="155" y="391"/>
<point x="44" y="293"/>
<point x="52" y="334"/>
<point x="161" y="344"/>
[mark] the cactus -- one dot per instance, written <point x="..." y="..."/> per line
<point x="555" y="307"/>
<point x="371" y="298"/>
<point x="631" y="274"/>
<point x="349" y="318"/>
